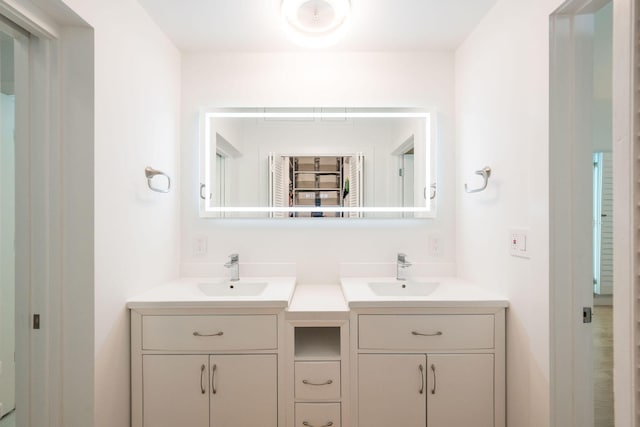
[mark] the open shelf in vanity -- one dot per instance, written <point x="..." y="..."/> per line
<point x="317" y="343"/>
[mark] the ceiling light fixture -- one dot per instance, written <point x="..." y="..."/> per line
<point x="316" y="23"/>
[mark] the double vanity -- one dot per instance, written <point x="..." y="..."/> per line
<point x="369" y="352"/>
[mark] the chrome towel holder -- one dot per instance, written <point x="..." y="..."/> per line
<point x="150" y="173"/>
<point x="485" y="173"/>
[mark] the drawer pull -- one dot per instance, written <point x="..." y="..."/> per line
<point x="433" y="369"/>
<point x="202" y="368"/>
<point x="306" y="424"/>
<point x="421" y="368"/>
<point x="307" y="382"/>
<point x="214" y="390"/>
<point x="198" y="334"/>
<point x="435" y="334"/>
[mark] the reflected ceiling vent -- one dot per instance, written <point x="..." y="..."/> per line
<point x="316" y="23"/>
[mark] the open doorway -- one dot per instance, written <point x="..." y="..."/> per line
<point x="581" y="217"/>
<point x="603" y="247"/>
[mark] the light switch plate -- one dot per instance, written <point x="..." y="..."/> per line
<point x="519" y="242"/>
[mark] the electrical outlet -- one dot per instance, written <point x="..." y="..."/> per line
<point x="518" y="242"/>
<point x="435" y="245"/>
<point x="200" y="246"/>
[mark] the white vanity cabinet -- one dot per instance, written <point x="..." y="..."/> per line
<point x="429" y="367"/>
<point x="215" y="390"/>
<point x="205" y="368"/>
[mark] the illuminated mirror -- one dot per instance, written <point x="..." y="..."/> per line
<point x="317" y="163"/>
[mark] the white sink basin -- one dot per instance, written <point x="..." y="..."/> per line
<point x="401" y="288"/>
<point x="192" y="292"/>
<point x="230" y="289"/>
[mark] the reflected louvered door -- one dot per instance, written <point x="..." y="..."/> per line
<point x="606" y="230"/>
<point x="355" y="184"/>
<point x="277" y="184"/>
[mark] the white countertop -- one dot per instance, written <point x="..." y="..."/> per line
<point x="318" y="298"/>
<point x="283" y="293"/>
<point x="451" y="292"/>
<point x="184" y="293"/>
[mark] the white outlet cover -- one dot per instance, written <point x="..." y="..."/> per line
<point x="200" y="245"/>
<point x="435" y="244"/>
<point x="519" y="242"/>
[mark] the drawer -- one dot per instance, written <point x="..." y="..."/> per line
<point x="210" y="332"/>
<point x="329" y="198"/>
<point x="317" y="380"/>
<point x="307" y="198"/>
<point x="329" y="164"/>
<point x="425" y="332"/>
<point x="306" y="164"/>
<point x="329" y="181"/>
<point x="306" y="180"/>
<point x="318" y="414"/>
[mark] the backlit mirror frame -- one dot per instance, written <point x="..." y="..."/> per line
<point x="207" y="114"/>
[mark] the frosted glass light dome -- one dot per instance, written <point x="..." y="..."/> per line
<point x="316" y="23"/>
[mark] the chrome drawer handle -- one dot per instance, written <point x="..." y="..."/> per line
<point x="198" y="334"/>
<point x="435" y="334"/>
<point x="202" y="368"/>
<point x="307" y="382"/>
<point x="433" y="369"/>
<point x="306" y="424"/>
<point x="214" y="368"/>
<point x="421" y="368"/>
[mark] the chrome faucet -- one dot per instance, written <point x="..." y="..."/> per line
<point x="401" y="265"/>
<point x="234" y="265"/>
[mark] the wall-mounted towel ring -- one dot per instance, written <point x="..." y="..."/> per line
<point x="485" y="173"/>
<point x="150" y="173"/>
<point x="433" y="192"/>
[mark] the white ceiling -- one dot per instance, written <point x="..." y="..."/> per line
<point x="377" y="25"/>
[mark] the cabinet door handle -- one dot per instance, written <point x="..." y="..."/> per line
<point x="216" y="334"/>
<point x="214" y="390"/>
<point x="421" y="368"/>
<point x="433" y="369"/>
<point x="306" y="424"/>
<point x="202" y="368"/>
<point x="307" y="382"/>
<point x="434" y="334"/>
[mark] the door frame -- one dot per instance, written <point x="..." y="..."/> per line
<point x="570" y="389"/>
<point x="37" y="387"/>
<point x="55" y="209"/>
<point x="624" y="206"/>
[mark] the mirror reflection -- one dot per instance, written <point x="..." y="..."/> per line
<point x="316" y="163"/>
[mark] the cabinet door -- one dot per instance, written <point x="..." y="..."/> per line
<point x="244" y="390"/>
<point x="392" y="390"/>
<point x="460" y="390"/>
<point x="176" y="391"/>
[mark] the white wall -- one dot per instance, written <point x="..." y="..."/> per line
<point x="502" y="87"/>
<point x="314" y="80"/>
<point x="137" y="99"/>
